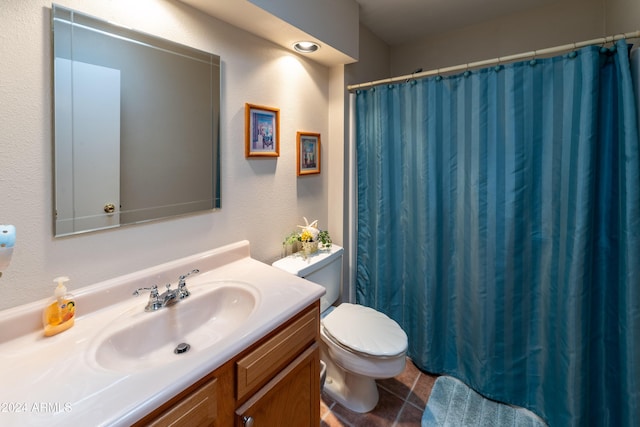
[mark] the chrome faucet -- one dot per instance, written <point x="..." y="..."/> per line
<point x="168" y="297"/>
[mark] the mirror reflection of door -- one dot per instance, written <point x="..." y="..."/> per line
<point x="91" y="124"/>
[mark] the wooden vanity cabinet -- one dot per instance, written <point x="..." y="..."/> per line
<point x="275" y="382"/>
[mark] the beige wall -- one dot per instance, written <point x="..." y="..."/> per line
<point x="262" y="199"/>
<point x="374" y="59"/>
<point x="623" y="16"/>
<point x="564" y="21"/>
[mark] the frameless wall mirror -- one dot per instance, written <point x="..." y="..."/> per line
<point x="136" y="126"/>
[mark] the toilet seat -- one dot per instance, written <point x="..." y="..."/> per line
<point x="364" y="330"/>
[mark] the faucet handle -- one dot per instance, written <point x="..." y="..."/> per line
<point x="153" y="289"/>
<point x="183" y="292"/>
<point x="181" y="279"/>
<point x="154" y="298"/>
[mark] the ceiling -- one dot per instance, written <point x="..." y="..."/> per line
<point x="401" y="21"/>
<point x="243" y="14"/>
<point x="394" y="21"/>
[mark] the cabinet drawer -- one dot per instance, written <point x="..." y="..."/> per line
<point x="198" y="409"/>
<point x="260" y="365"/>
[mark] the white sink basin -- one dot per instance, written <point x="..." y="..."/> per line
<point x="117" y="364"/>
<point x="142" y="340"/>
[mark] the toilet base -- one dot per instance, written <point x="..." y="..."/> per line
<point x="355" y="392"/>
<point x="351" y="379"/>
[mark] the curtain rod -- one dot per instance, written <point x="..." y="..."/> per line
<point x="499" y="60"/>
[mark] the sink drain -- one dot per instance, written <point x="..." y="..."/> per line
<point x="182" y="348"/>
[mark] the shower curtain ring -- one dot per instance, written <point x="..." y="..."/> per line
<point x="412" y="77"/>
<point x="498" y="65"/>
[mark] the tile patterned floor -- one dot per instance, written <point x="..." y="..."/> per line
<point x="401" y="404"/>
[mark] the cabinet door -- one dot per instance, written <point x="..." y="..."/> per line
<point x="291" y="399"/>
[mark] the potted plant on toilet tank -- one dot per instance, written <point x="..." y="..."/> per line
<point x="307" y="239"/>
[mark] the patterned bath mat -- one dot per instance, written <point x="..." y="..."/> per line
<point x="453" y="404"/>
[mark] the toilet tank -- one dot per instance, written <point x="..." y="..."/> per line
<point x="324" y="268"/>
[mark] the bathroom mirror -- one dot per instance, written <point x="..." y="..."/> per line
<point x="136" y="126"/>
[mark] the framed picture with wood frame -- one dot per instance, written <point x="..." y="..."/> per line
<point x="308" y="150"/>
<point x="262" y="131"/>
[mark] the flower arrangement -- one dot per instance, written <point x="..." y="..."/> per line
<point x="308" y="239"/>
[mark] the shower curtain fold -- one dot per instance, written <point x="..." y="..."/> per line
<point x="499" y="224"/>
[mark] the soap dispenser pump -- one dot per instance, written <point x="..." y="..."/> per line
<point x="58" y="315"/>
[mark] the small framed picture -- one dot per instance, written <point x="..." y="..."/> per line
<point x="308" y="149"/>
<point x="262" y="131"/>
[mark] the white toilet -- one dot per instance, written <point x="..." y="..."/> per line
<point x="359" y="344"/>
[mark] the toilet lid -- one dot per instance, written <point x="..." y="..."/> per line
<point x="365" y="330"/>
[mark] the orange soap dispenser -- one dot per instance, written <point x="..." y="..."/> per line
<point x="58" y="315"/>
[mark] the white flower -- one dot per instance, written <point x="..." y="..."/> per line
<point x="310" y="228"/>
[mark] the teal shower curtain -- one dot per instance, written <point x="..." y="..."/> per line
<point x="499" y="224"/>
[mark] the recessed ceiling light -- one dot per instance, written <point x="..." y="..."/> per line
<point x="306" y="47"/>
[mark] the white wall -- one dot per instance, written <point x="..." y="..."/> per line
<point x="262" y="199"/>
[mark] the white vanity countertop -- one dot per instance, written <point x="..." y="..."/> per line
<point x="56" y="381"/>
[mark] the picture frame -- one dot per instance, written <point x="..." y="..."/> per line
<point x="308" y="153"/>
<point x="262" y="131"/>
